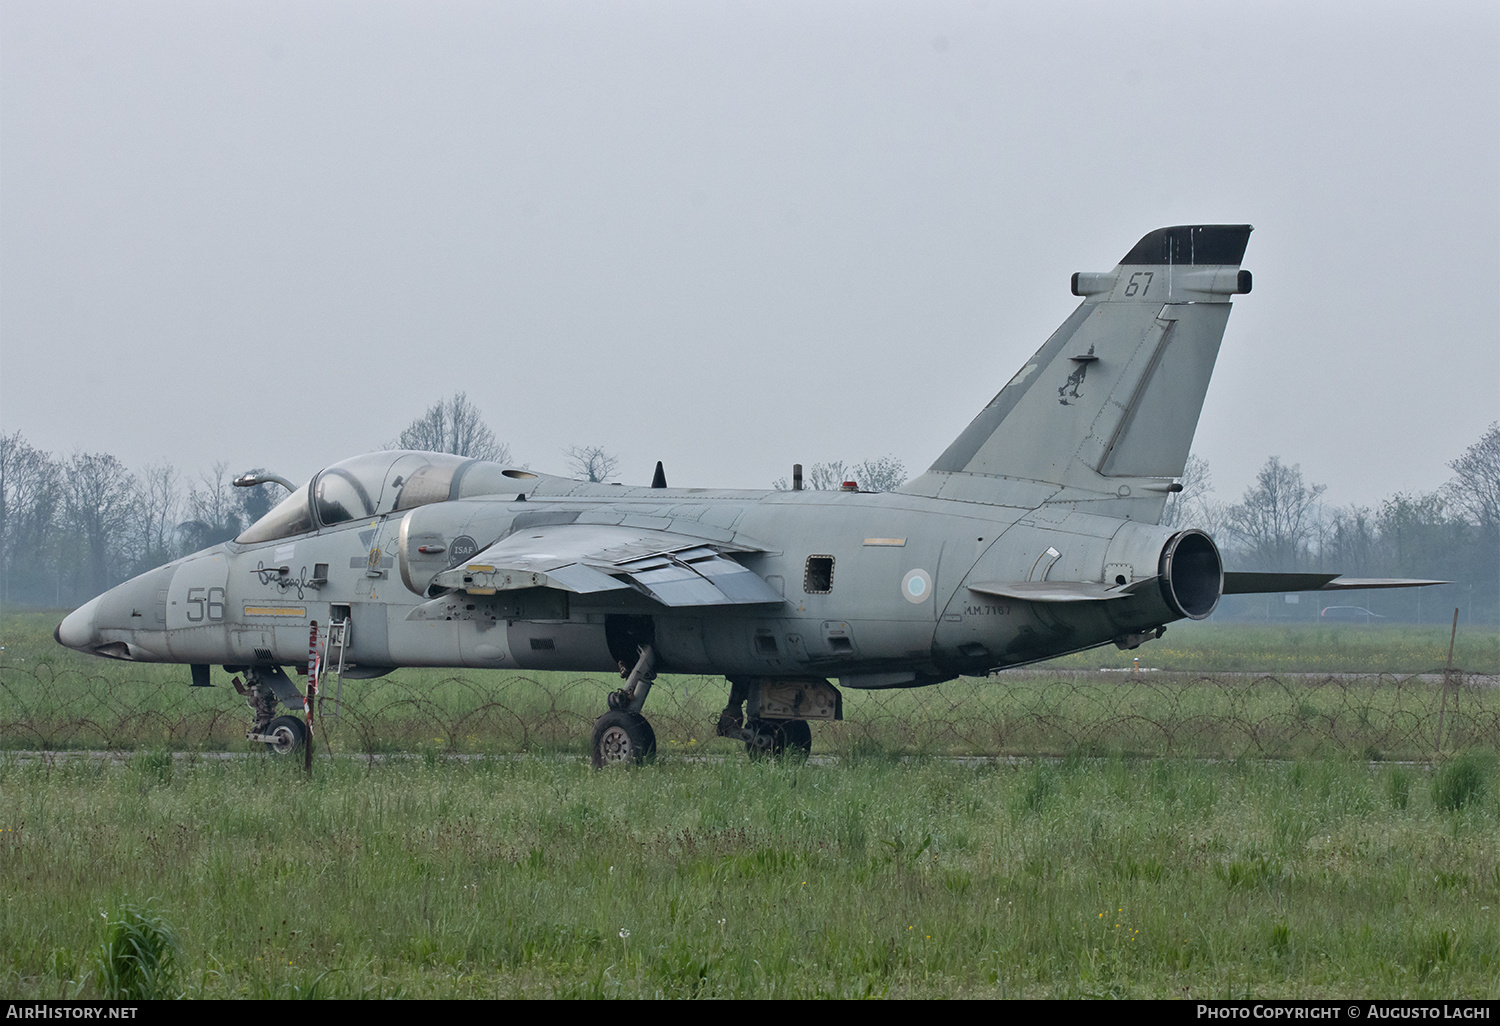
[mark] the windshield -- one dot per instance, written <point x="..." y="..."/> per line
<point x="288" y="517"/>
<point x="365" y="486"/>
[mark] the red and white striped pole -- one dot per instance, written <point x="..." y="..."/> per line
<point x="312" y="689"/>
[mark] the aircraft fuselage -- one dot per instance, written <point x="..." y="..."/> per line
<point x="873" y="588"/>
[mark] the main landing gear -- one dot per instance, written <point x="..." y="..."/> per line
<point x="771" y="716"/>
<point x="622" y="734"/>
<point x="264" y="687"/>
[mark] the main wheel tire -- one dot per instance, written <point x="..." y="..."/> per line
<point x="789" y="738"/>
<point x="290" y="734"/>
<point x="622" y="737"/>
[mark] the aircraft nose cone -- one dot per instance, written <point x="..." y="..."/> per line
<point x="77" y="629"/>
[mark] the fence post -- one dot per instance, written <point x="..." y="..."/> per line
<point x="1443" y="706"/>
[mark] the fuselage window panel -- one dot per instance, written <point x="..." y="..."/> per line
<point x="817" y="579"/>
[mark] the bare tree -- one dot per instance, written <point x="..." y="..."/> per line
<point x="1350" y="541"/>
<point x="157" y="515"/>
<point x="823" y="477"/>
<point x="592" y="462"/>
<point x="99" y="500"/>
<point x="882" y="474"/>
<point x="1418" y="535"/>
<point x="30" y="494"/>
<point x="215" y="513"/>
<point x="453" y="425"/>
<point x="1189" y="505"/>
<point x="1276" y="515"/>
<point x="1475" y="493"/>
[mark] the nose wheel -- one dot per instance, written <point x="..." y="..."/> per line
<point x="289" y="734"/>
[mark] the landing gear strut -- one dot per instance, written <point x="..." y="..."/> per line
<point x="622" y="735"/>
<point x="264" y="687"/>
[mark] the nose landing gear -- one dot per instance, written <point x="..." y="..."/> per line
<point x="264" y="687"/>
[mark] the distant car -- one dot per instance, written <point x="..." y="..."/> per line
<point x="1348" y="614"/>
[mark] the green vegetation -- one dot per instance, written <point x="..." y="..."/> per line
<point x="1209" y="647"/>
<point x="138" y="959"/>
<point x="1462" y="781"/>
<point x="54" y="699"/>
<point x="539" y="877"/>
<point x="1202" y="834"/>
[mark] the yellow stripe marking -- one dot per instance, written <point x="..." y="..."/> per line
<point x="886" y="541"/>
<point x="275" y="611"/>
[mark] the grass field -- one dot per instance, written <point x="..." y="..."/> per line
<point x="1192" y="833"/>
<point x="538" y="877"/>
<point x="1205" y="646"/>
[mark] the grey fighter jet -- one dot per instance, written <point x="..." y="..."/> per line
<point x="1033" y="535"/>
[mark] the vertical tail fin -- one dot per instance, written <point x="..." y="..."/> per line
<point x="1106" y="409"/>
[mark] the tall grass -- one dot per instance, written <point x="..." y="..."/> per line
<point x="139" y="956"/>
<point x="541" y="878"/>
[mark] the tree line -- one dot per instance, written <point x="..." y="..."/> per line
<point x="72" y="527"/>
<point x="1282" y="522"/>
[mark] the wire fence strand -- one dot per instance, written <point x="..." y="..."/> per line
<point x="1371" y="716"/>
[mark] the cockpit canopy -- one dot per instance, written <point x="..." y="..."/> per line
<point x="378" y="483"/>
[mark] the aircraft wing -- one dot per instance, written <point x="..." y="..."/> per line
<point x="1240" y="582"/>
<point x="674" y="569"/>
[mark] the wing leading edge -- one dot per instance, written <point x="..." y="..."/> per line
<point x="586" y="559"/>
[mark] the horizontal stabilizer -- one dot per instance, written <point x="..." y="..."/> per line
<point x="1359" y="583"/>
<point x="1240" y="582"/>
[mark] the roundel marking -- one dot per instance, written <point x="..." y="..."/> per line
<point x="916" y="586"/>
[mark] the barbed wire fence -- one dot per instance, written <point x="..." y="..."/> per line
<point x="1019" y="713"/>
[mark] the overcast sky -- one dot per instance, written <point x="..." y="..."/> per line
<point x="731" y="236"/>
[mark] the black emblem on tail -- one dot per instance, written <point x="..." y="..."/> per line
<point x="1070" y="387"/>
